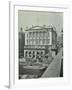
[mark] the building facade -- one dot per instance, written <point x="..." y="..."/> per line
<point x="38" y="39"/>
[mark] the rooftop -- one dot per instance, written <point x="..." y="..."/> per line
<point x="40" y="27"/>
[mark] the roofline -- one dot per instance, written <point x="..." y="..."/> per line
<point x="41" y="28"/>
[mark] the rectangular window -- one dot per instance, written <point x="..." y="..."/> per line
<point x="48" y="34"/>
<point x="27" y="41"/>
<point x="37" y="35"/>
<point x="37" y="41"/>
<point x="47" y="41"/>
<point x="43" y="41"/>
<point x="32" y="42"/>
<point x="33" y="34"/>
<point x="41" y="35"/>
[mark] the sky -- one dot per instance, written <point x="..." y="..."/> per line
<point x="29" y="18"/>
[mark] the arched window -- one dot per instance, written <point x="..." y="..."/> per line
<point x="41" y="52"/>
<point x="37" y="52"/>
<point x="30" y="54"/>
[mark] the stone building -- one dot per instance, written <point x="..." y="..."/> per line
<point x="38" y="39"/>
<point x="21" y="43"/>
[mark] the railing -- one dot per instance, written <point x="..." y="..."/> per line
<point x="54" y="68"/>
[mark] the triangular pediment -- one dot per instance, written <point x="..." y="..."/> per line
<point x="36" y="27"/>
<point x="39" y="27"/>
